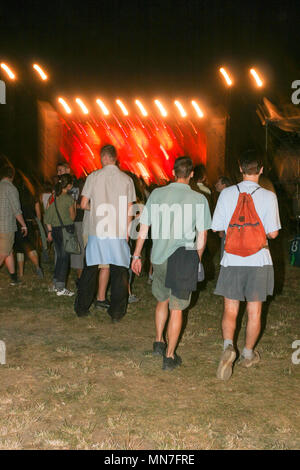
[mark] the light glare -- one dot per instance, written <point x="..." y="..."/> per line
<point x="40" y="71"/>
<point x="256" y="77"/>
<point x="181" y="108"/>
<point x="197" y="109"/>
<point x="65" y="105"/>
<point x="141" y="108"/>
<point x="9" y="72"/>
<point x="226" y="76"/>
<point x="161" y="108"/>
<point x="103" y="107"/>
<point x="124" y="110"/>
<point x="82" y="106"/>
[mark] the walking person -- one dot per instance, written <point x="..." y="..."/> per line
<point x="249" y="215"/>
<point x="178" y="217"/>
<point x="108" y="194"/>
<point x="10" y="213"/>
<point x="63" y="206"/>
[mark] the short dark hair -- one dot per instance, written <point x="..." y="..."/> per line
<point x="64" y="164"/>
<point x="225" y="180"/>
<point x="199" y="172"/>
<point x="7" y="171"/>
<point x="183" y="167"/>
<point x="109" y="151"/>
<point x="250" y="162"/>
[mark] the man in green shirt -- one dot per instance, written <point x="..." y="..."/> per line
<point x="179" y="218"/>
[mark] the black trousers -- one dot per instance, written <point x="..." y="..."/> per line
<point x="87" y="287"/>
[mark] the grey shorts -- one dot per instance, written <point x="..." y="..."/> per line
<point x="250" y="283"/>
<point x="161" y="292"/>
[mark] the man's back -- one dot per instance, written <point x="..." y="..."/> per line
<point x="110" y="191"/>
<point x="9" y="206"/>
<point x="174" y="212"/>
<point x="266" y="206"/>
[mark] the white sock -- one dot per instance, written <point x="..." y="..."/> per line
<point x="227" y="342"/>
<point x="247" y="353"/>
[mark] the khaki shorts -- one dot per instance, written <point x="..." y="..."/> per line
<point x="6" y="243"/>
<point x="162" y="293"/>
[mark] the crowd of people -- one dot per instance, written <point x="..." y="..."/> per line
<point x="106" y="226"/>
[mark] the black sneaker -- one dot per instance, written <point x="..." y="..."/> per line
<point x="15" y="282"/>
<point x="102" y="303"/>
<point x="170" y="364"/>
<point x="159" y="348"/>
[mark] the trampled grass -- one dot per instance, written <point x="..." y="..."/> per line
<point x="85" y="383"/>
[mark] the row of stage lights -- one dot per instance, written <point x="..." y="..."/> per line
<point x="43" y="76"/>
<point x="84" y="109"/>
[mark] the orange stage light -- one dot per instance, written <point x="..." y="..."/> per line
<point x="226" y="76"/>
<point x="141" y="108"/>
<point x="103" y="107"/>
<point x="161" y="108"/>
<point x="256" y="77"/>
<point x="121" y="105"/>
<point x="8" y="71"/>
<point x="82" y="106"/>
<point x="40" y="71"/>
<point x="181" y="108"/>
<point x="199" y="112"/>
<point x="65" y="105"/>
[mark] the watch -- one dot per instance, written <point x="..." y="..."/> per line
<point x="136" y="257"/>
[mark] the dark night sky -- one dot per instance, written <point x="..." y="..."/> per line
<point x="169" y="48"/>
<point x="152" y="45"/>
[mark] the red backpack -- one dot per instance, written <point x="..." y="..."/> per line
<point x="245" y="234"/>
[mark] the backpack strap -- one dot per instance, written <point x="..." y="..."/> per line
<point x="238" y="188"/>
<point x="255" y="190"/>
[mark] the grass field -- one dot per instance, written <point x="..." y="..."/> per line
<point x="86" y="383"/>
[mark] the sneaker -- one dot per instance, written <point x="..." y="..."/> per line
<point x="132" y="299"/>
<point x="169" y="363"/>
<point x="39" y="273"/>
<point x="224" y="371"/>
<point x="102" y="303"/>
<point x="15" y="282"/>
<point x="244" y="362"/>
<point x="159" y="348"/>
<point x="64" y="291"/>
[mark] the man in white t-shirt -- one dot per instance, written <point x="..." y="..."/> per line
<point x="108" y="195"/>
<point x="249" y="278"/>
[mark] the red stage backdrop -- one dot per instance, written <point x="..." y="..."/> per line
<point x="146" y="146"/>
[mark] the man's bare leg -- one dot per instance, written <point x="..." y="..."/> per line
<point x="174" y="329"/>
<point x="10" y="263"/>
<point x="253" y="323"/>
<point x="231" y="310"/>
<point x="103" y="283"/>
<point x="161" y="316"/>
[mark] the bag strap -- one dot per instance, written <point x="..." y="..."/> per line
<point x="255" y="190"/>
<point x="238" y="188"/>
<point x="58" y="214"/>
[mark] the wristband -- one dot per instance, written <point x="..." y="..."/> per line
<point x="136" y="257"/>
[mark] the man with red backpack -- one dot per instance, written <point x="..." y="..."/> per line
<point x="249" y="215"/>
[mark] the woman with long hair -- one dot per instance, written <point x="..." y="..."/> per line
<point x="64" y="207"/>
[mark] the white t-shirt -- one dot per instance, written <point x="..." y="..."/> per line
<point x="110" y="191"/>
<point x="266" y="206"/>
